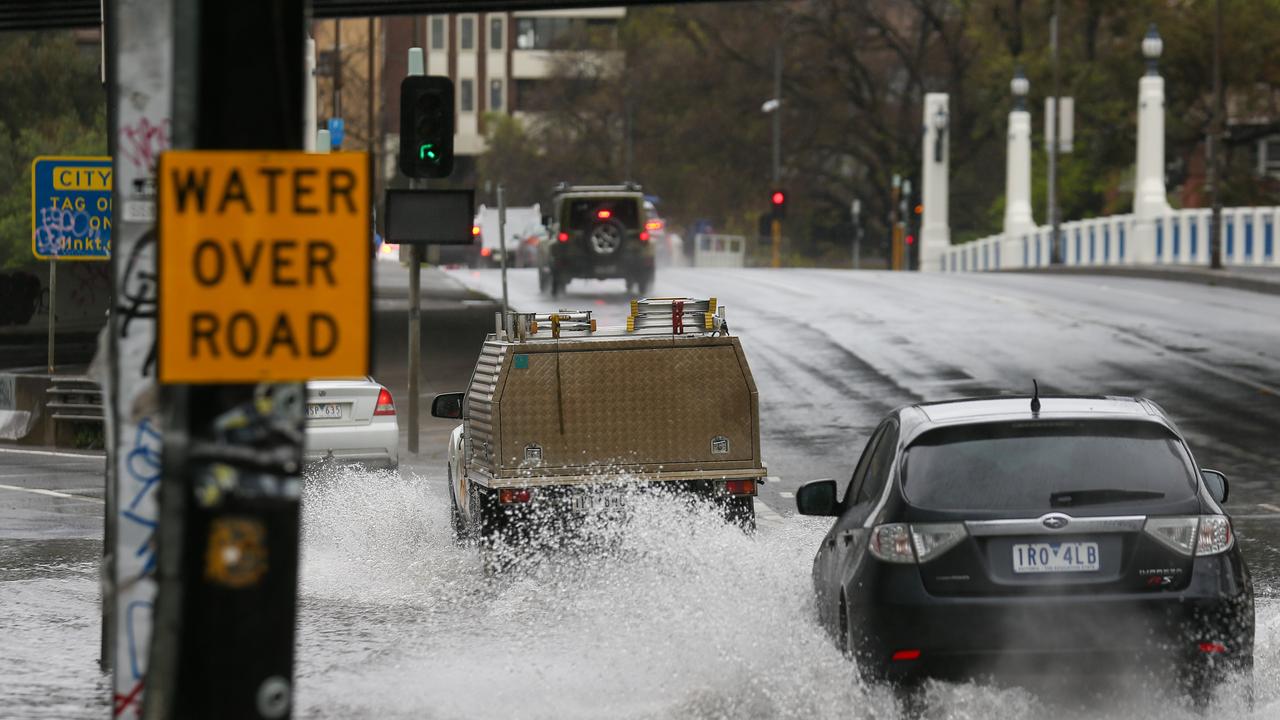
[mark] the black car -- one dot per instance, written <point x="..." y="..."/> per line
<point x="596" y="232"/>
<point x="992" y="537"/>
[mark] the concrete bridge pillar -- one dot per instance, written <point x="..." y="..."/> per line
<point x="935" y="232"/>
<point x="1150" y="199"/>
<point x="1017" y="182"/>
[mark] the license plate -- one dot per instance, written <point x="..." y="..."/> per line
<point x="1055" y="557"/>
<point x="324" y="410"/>
<point x="591" y="502"/>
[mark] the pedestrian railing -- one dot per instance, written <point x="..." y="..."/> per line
<point x="1180" y="237"/>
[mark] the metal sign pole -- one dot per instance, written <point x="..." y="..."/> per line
<point x="53" y="305"/>
<point x="502" y="243"/>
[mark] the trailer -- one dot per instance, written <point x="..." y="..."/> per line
<point x="561" y="418"/>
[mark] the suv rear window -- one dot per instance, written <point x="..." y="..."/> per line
<point x="585" y="212"/>
<point x="1046" y="465"/>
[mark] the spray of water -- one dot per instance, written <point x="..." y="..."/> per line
<point x="674" y="614"/>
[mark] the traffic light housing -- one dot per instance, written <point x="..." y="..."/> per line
<point x="778" y="203"/>
<point x="426" y="126"/>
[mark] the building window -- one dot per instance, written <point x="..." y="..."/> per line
<point x="559" y="33"/>
<point x="467" y="33"/>
<point x="437" y="33"/>
<point x="495" y="94"/>
<point x="466" y="95"/>
<point x="497" y="38"/>
<point x="1269" y="156"/>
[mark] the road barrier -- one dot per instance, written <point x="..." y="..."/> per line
<point x="1180" y="237"/>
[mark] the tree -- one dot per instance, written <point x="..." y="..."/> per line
<point x="53" y="105"/>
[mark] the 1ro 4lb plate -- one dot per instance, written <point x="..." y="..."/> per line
<point x="318" y="411"/>
<point x="1055" y="557"/>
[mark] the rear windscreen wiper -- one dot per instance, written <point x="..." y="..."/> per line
<point x="1068" y="498"/>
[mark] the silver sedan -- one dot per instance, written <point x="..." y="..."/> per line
<point x="352" y="420"/>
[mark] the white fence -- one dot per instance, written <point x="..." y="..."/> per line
<point x="1179" y="238"/>
<point x="719" y="251"/>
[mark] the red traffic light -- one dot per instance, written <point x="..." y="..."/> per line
<point x="911" y="240"/>
<point x="778" y="197"/>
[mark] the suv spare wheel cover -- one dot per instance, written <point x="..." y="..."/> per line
<point x="605" y="238"/>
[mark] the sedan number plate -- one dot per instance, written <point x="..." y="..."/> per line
<point x="1055" y="557"/>
<point x="316" y="411"/>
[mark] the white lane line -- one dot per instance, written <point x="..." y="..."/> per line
<point x="52" y="493"/>
<point x="1269" y="506"/>
<point x="51" y="453"/>
<point x="785" y="494"/>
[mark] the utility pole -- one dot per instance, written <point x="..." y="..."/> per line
<point x="230" y="488"/>
<point x="775" y="226"/>
<point x="502" y="247"/>
<point x="337" y="68"/>
<point x="1055" y="252"/>
<point x="895" y="229"/>
<point x="1212" y="151"/>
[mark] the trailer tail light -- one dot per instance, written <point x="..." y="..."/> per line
<point x="740" y="487"/>
<point x="900" y="655"/>
<point x="563" y="237"/>
<point x="385" y="406"/>
<point x="513" y="496"/>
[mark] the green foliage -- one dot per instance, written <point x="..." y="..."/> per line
<point x="53" y="104"/>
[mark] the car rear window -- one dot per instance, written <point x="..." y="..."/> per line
<point x="585" y="212"/>
<point x="1046" y="465"/>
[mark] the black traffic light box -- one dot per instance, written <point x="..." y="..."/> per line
<point x="426" y="126"/>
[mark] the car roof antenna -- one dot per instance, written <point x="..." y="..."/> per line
<point x="1035" y="397"/>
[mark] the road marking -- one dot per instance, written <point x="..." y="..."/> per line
<point x="52" y="493"/>
<point x="785" y="494"/>
<point x="51" y="453"/>
<point x="1269" y="506"/>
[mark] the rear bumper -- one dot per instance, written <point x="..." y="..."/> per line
<point x="373" y="445"/>
<point x="967" y="636"/>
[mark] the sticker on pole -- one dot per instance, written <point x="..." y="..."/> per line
<point x="264" y="262"/>
<point x="71" y="208"/>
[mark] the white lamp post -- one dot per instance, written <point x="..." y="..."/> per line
<point x="935" y="232"/>
<point x="1149" y="196"/>
<point x="1017" y="184"/>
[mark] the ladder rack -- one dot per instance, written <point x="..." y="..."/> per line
<point x="649" y="316"/>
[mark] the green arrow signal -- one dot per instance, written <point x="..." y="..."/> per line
<point x="425" y="152"/>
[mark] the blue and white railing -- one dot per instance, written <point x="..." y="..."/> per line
<point x="1180" y="237"/>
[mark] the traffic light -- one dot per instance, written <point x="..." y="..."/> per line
<point x="778" y="203"/>
<point x="426" y="126"/>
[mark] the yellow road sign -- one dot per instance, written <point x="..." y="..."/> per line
<point x="264" y="262"/>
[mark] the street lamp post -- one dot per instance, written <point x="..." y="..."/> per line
<point x="855" y="210"/>
<point x="1055" y="252"/>
<point x="1211" y="147"/>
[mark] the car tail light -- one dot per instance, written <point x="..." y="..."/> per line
<point x="1215" y="535"/>
<point x="604" y="214"/>
<point x="386" y="406"/>
<point x="475" y="231"/>
<point x="932" y="540"/>
<point x="902" y="543"/>
<point x="653" y="225"/>
<point x="512" y="496"/>
<point x="486" y="252"/>
<point x="912" y="654"/>
<point x="892" y="543"/>
<point x="1200" y="536"/>
<point x="644" y="236"/>
<point x="740" y="487"/>
<point x="563" y="237"/>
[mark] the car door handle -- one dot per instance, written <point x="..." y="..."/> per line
<point x="847" y="537"/>
<point x="831" y="542"/>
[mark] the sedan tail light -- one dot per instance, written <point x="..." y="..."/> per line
<point x="385" y="404"/>
<point x="907" y="544"/>
<point x="1198" y="536"/>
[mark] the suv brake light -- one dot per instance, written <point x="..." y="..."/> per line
<point x="910" y="544"/>
<point x="385" y="406"/>
<point x="1192" y="536"/>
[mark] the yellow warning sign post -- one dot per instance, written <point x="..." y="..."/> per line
<point x="264" y="262"/>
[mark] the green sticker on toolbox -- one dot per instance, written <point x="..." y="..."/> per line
<point x="522" y="362"/>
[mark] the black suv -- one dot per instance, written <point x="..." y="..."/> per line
<point x="1006" y="536"/>
<point x="596" y="231"/>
